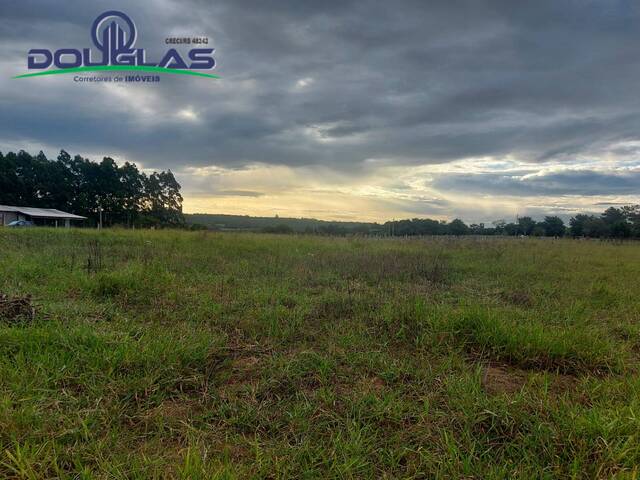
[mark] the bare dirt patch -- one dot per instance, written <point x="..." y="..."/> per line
<point x="372" y="384"/>
<point x="243" y="364"/>
<point x="517" y="297"/>
<point x="499" y="379"/>
<point x="177" y="410"/>
<point x="243" y="370"/>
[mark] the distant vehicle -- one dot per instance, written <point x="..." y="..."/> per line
<point x="20" y="223"/>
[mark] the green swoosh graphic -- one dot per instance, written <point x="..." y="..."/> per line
<point x="122" y="68"/>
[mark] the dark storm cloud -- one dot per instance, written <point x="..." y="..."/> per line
<point x="338" y="82"/>
<point x="582" y="183"/>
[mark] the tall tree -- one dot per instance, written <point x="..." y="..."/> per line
<point x="123" y="193"/>
<point x="553" y="226"/>
<point x="526" y="225"/>
<point x="458" y="227"/>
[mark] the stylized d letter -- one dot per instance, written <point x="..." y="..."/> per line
<point x="32" y="60"/>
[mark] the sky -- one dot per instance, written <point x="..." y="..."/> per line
<point x="353" y="110"/>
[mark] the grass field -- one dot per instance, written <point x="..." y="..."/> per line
<point x="200" y="355"/>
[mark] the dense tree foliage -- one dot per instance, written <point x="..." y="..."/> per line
<point x="126" y="195"/>
<point x="614" y="222"/>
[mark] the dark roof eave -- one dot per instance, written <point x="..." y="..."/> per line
<point x="54" y="217"/>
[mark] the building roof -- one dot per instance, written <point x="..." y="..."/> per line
<point x="41" y="212"/>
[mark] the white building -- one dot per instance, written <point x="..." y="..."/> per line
<point x="38" y="216"/>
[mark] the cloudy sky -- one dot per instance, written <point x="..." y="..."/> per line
<point x="372" y="110"/>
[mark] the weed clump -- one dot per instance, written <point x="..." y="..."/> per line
<point x="109" y="285"/>
<point x="532" y="346"/>
<point x="16" y="309"/>
<point x="94" y="257"/>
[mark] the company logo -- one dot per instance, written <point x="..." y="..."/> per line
<point x="114" y="35"/>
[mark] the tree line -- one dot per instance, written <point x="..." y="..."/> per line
<point x="623" y="222"/>
<point x="78" y="185"/>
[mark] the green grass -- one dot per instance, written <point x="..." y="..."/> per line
<point x="201" y="355"/>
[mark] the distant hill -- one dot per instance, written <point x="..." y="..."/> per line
<point x="257" y="224"/>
